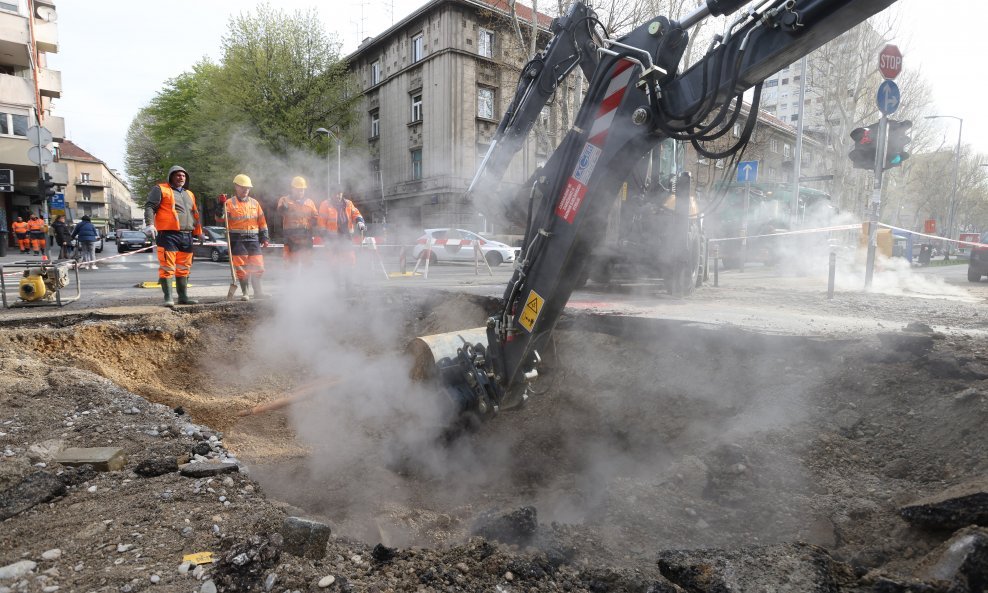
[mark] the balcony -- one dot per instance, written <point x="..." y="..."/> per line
<point x="16" y="90"/>
<point x="86" y="181"/>
<point x="46" y="36"/>
<point x="50" y="83"/>
<point x="13" y="151"/>
<point x="95" y="200"/>
<point x="13" y="38"/>
<point x="56" y="125"/>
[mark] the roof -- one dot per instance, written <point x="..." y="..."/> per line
<point x="72" y="151"/>
<point x="500" y="6"/>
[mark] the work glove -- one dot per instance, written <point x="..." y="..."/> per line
<point x="361" y="226"/>
<point x="222" y="199"/>
<point x="265" y="244"/>
<point x="150" y="231"/>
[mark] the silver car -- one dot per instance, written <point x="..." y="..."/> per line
<point x="457" y="245"/>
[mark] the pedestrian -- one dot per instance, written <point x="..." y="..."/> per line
<point x="172" y="220"/>
<point x="299" y="219"/>
<point x="248" y="234"/>
<point x="20" y="232"/>
<point x="337" y="218"/>
<point x="36" y="231"/>
<point x="63" y="236"/>
<point x="87" y="235"/>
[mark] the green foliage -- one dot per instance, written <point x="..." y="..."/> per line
<point x="279" y="79"/>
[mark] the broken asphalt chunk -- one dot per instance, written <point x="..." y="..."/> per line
<point x="206" y="469"/>
<point x="305" y="538"/>
<point x="34" y="489"/>
<point x="150" y="468"/>
<point x="958" y="506"/>
<point x="515" y="527"/>
<point x="103" y="459"/>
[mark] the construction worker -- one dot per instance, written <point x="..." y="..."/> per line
<point x="299" y="219"/>
<point x="337" y="218"/>
<point x="20" y="232"/>
<point x="248" y="234"/>
<point x="37" y="231"/>
<point x="172" y="219"/>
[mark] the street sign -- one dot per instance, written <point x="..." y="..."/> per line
<point x="39" y="155"/>
<point x="888" y="97"/>
<point x="39" y="136"/>
<point x="58" y="201"/>
<point x="747" y="171"/>
<point x="890" y="61"/>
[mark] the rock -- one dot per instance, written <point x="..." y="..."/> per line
<point x="782" y="567"/>
<point x="847" y="419"/>
<point x="124" y="548"/>
<point x="207" y="469"/>
<point x="918" y="327"/>
<point x="73" y="476"/>
<point x="244" y="565"/>
<point x="326" y="581"/>
<point x="34" y="489"/>
<point x="305" y="538"/>
<point x="909" y="342"/>
<point x="92" y="489"/>
<point x="959" y="506"/>
<point x="382" y="553"/>
<point x="967" y="396"/>
<point x="208" y="587"/>
<point x="962" y="560"/>
<point x="201" y="448"/>
<point x="515" y="527"/>
<point x="17" y="570"/>
<point x="155" y="579"/>
<point x="150" y="468"/>
<point x="53" y="554"/>
<point x="45" y="450"/>
<point x="103" y="459"/>
<point x="184" y="567"/>
<point x="270" y="581"/>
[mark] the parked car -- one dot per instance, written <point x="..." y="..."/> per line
<point x="977" y="265"/>
<point x="128" y="240"/>
<point x="215" y="247"/>
<point x="452" y="245"/>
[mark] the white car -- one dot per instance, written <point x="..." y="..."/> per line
<point x="453" y="245"/>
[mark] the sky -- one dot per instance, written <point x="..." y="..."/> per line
<point x="115" y="55"/>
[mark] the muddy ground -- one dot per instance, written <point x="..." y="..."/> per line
<point x="658" y="456"/>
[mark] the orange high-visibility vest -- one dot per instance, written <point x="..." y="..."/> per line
<point x="329" y="213"/>
<point x="166" y="217"/>
<point x="19" y="228"/>
<point x="36" y="225"/>
<point x="297" y="215"/>
<point x="245" y="216"/>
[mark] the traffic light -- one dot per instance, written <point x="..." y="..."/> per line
<point x="895" y="152"/>
<point x="47" y="187"/>
<point x="865" y="143"/>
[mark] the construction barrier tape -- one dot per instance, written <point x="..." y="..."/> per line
<point x="843" y="227"/>
<point x="934" y="237"/>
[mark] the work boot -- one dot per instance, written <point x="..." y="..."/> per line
<point x="182" y="284"/>
<point x="166" y="287"/>
<point x="255" y="281"/>
<point x="243" y="288"/>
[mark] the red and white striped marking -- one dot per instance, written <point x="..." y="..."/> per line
<point x="576" y="187"/>
<point x="451" y="242"/>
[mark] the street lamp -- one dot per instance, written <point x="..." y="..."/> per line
<point x="957" y="162"/>
<point x="339" y="175"/>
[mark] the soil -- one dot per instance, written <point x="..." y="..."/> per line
<point x="648" y="439"/>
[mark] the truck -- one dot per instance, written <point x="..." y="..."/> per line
<point x="636" y="98"/>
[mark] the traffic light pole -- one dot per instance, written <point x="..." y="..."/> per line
<point x="876" y="200"/>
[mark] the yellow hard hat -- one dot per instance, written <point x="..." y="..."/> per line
<point x="242" y="180"/>
<point x="299" y="183"/>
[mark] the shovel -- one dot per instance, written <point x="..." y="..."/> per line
<point x="229" y="253"/>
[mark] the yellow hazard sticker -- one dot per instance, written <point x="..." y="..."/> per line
<point x="199" y="558"/>
<point x="533" y="306"/>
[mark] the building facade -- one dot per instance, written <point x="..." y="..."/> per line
<point x="94" y="189"/>
<point x="434" y="87"/>
<point x="28" y="33"/>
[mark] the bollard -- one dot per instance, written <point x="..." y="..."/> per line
<point x="717" y="264"/>
<point x="832" y="275"/>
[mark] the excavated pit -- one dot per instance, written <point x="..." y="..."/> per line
<point x="648" y="435"/>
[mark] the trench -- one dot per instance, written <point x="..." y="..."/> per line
<point x="646" y="434"/>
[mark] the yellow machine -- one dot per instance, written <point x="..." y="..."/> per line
<point x="40" y="283"/>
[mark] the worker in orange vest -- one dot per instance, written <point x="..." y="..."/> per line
<point x="337" y="219"/>
<point x="172" y="219"/>
<point x="299" y="219"/>
<point x="36" y="231"/>
<point x="248" y="234"/>
<point x="20" y="232"/>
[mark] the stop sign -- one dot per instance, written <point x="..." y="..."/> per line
<point x="890" y="61"/>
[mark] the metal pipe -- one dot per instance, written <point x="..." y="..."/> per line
<point x="832" y="275"/>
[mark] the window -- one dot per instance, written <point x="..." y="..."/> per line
<point x="545" y="117"/>
<point x="375" y="73"/>
<point x="417" y="164"/>
<point x="794" y="117"/>
<point x="417" y="108"/>
<point x="375" y="121"/>
<point x="13" y="124"/>
<point x="87" y="194"/>
<point x="85" y="177"/>
<point x="8" y="6"/>
<point x="786" y="150"/>
<point x="785" y="81"/>
<point x="773" y="145"/>
<point x="771" y="83"/>
<point x="485" y="43"/>
<point x="418" y="47"/>
<point x="485" y="103"/>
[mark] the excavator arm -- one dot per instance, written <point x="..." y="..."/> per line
<point x="635" y="98"/>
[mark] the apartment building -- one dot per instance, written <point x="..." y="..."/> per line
<point x="28" y="33"/>
<point x="94" y="189"/>
<point x="434" y="87"/>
